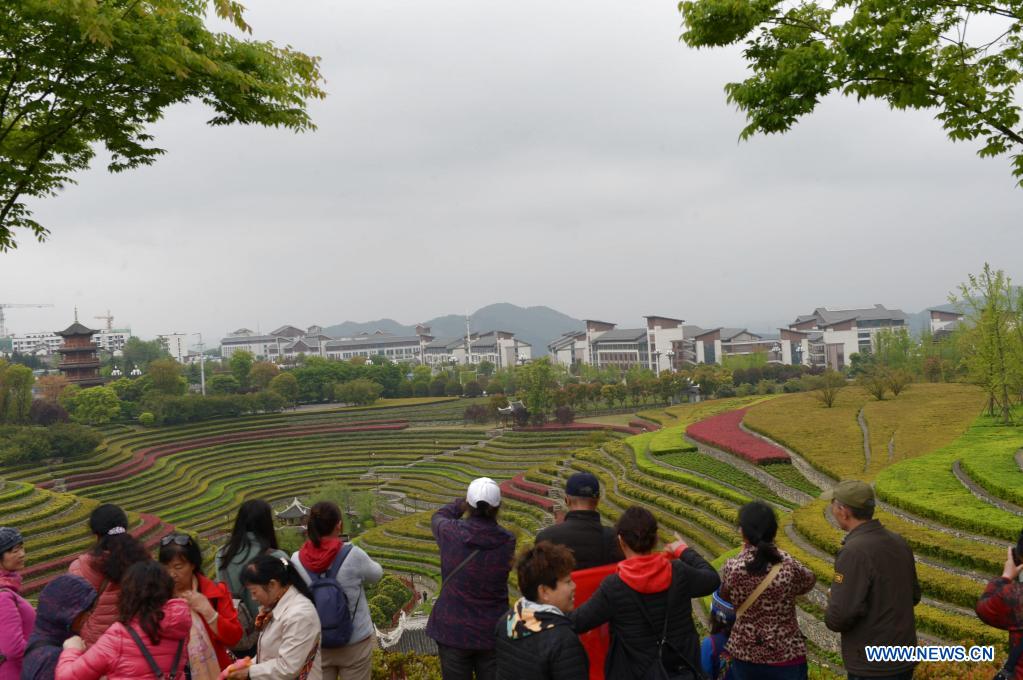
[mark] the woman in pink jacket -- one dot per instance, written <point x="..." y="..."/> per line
<point x="148" y="641"/>
<point x="115" y="550"/>
<point x="16" y="615"/>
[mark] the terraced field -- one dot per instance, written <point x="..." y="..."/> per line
<point x="951" y="482"/>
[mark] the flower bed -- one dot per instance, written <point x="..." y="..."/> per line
<point x="530" y="487"/>
<point x="508" y="490"/>
<point x="723" y="432"/>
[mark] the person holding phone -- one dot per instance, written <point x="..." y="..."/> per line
<point x="17" y="618"/>
<point x="1001" y="606"/>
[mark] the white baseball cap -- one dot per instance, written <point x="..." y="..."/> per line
<point x="483" y="489"/>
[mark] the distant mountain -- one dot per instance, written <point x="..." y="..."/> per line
<point x="535" y="325"/>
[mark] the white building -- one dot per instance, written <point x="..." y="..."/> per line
<point x="395" y="347"/>
<point x="713" y="346"/>
<point x="282" y="343"/>
<point x="45" y="343"/>
<point x="827" y="338"/>
<point x="176" y="344"/>
<point x="944" y="319"/>
<point x="603" y="344"/>
<point x="500" y="348"/>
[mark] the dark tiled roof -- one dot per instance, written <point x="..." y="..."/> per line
<point x="621" y="335"/>
<point x="75" y="329"/>
<point x="373" y="341"/>
<point x="248" y="340"/>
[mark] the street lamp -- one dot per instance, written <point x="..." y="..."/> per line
<point x="116" y="373"/>
<point x="135" y="372"/>
<point x="202" y="364"/>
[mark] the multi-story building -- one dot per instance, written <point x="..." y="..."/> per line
<point x="657" y="347"/>
<point x="176" y="344"/>
<point x="944" y="319"/>
<point x="278" y="344"/>
<point x="46" y="343"/>
<point x="827" y="338"/>
<point x="715" y="345"/>
<point x="500" y="348"/>
<point x="394" y="347"/>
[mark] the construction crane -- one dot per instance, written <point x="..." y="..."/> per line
<point x="9" y="305"/>
<point x="109" y="319"/>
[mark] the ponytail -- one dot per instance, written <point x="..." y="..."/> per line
<point x="115" y="548"/>
<point x="324" y="517"/>
<point x="760" y="526"/>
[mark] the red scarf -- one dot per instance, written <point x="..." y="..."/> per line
<point x="316" y="560"/>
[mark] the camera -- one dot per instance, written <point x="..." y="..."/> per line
<point x="1017" y="550"/>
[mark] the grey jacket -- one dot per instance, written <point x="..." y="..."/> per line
<point x="357" y="569"/>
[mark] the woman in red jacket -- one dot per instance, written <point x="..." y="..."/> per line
<point x="215" y="626"/>
<point x="148" y="641"/>
<point x="115" y="550"/>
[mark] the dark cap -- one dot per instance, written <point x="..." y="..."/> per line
<point x="852" y="493"/>
<point x="583" y="485"/>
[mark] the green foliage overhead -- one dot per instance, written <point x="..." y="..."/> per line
<point x="961" y="59"/>
<point x="76" y="74"/>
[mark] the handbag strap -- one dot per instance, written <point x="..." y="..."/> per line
<point x="759" y="590"/>
<point x="458" y="569"/>
<point x="160" y="675"/>
<point x="697" y="673"/>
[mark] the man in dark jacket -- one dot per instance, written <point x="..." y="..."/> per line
<point x="592" y="544"/>
<point x="648" y="587"/>
<point x="476" y="555"/>
<point x="875" y="586"/>
<point x="535" y="639"/>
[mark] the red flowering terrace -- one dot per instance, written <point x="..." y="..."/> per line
<point x="723" y="432"/>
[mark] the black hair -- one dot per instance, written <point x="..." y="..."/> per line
<point x="145" y="589"/>
<point x="255" y="516"/>
<point x="543" y="565"/>
<point x="265" y="568"/>
<point x="760" y="526"/>
<point x="115" y="551"/>
<point x="189" y="552"/>
<point x="484" y="510"/>
<point x="324" y="517"/>
<point x="638" y="528"/>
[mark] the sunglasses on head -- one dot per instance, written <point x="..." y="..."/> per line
<point x="176" y="539"/>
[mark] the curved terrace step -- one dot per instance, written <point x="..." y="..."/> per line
<point x="812" y="474"/>
<point x="143" y="459"/>
<point x="982" y="493"/>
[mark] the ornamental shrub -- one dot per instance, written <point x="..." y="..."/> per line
<point x="147" y="419"/>
<point x="564" y="415"/>
<point x="44" y="412"/>
<point x="68" y="440"/>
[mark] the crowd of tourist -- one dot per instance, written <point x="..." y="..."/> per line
<point x="596" y="601"/>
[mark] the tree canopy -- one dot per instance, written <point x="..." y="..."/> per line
<point x="75" y="74"/>
<point x="960" y="58"/>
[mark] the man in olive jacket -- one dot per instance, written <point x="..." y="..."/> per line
<point x="875" y="586"/>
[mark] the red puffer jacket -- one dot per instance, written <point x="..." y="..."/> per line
<point x="105" y="613"/>
<point x="116" y="656"/>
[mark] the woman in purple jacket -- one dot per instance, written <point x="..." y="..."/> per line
<point x="17" y="618"/>
<point x="475" y="555"/>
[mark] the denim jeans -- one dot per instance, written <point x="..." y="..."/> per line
<point x="461" y="664"/>
<point x="742" y="670"/>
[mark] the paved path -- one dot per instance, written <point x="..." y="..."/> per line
<point x="866" y="439"/>
<point x="982" y="493"/>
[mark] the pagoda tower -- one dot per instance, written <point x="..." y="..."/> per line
<point x="79" y="361"/>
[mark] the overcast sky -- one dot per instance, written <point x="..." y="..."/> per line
<point x="572" y="154"/>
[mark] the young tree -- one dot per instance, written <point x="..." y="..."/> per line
<point x="826" y="386"/>
<point x="538" y="380"/>
<point x="285" y="385"/>
<point x="66" y="88"/>
<point x="240" y="365"/>
<point x="875" y="382"/>
<point x="261" y="373"/>
<point x="911" y="54"/>
<point x="361" y="392"/>
<point x="95" y="406"/>
<point x="16" y="380"/>
<point x="138" y="353"/>
<point x="990" y="339"/>
<point x="50" y="387"/>
<point x="166" y="377"/>
<point x="898" y="380"/>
